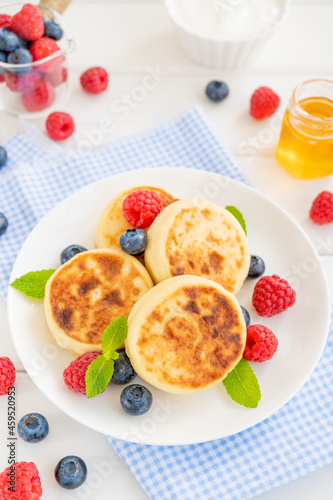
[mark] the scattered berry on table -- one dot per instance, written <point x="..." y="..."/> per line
<point x="4" y="20"/>
<point x="70" y="472"/>
<point x="217" y="91"/>
<point x="133" y="241"/>
<point x="261" y="343"/>
<point x="33" y="427"/>
<point x="3" y="224"/>
<point x="141" y="207"/>
<point x="52" y="29"/>
<point x="246" y="315"/>
<point x="3" y="156"/>
<point x="20" y="56"/>
<point x="74" y="374"/>
<point x="27" y="482"/>
<point x="272" y="295"/>
<point x="136" y="399"/>
<point x="264" y="103"/>
<point x="123" y="370"/>
<point x="28" y="23"/>
<point x="94" y="80"/>
<point x="41" y="97"/>
<point x="7" y="372"/>
<point x="56" y="77"/>
<point x="59" y="126"/>
<point x="257" y="267"/>
<point x="321" y="211"/>
<point x="70" y="251"/>
<point x="8" y="40"/>
<point x="3" y="58"/>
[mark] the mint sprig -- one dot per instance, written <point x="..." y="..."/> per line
<point x="33" y="284"/>
<point x="100" y="371"/>
<point x="238" y="215"/>
<point x="242" y="385"/>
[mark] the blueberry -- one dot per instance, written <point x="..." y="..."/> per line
<point x="247" y="316"/>
<point x="123" y="370"/>
<point x="8" y="40"/>
<point x="33" y="428"/>
<point x="257" y="267"/>
<point x="20" y="56"/>
<point x="3" y="58"/>
<point x="3" y="156"/>
<point x="217" y="91"/>
<point x="3" y="224"/>
<point x="52" y="30"/>
<point x="70" y="251"/>
<point x="23" y="43"/>
<point x="136" y="399"/>
<point x="70" y="472"/>
<point x="133" y="241"/>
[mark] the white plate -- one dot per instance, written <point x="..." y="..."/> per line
<point x="175" y="419"/>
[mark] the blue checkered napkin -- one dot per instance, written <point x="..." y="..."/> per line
<point x="38" y="174"/>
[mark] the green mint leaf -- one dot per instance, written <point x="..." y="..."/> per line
<point x="242" y="385"/>
<point x="33" y="284"/>
<point x="238" y="215"/>
<point x="114" y="334"/>
<point x="98" y="375"/>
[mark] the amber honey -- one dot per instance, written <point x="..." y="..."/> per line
<point x="305" y="147"/>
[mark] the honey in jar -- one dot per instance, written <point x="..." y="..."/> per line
<point x="305" y="147"/>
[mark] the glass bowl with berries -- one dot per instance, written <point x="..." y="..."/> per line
<point x="33" y="60"/>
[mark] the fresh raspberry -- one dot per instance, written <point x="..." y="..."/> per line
<point x="41" y="97"/>
<point x="272" y="295"/>
<point x="94" y="80"/>
<point x="264" y="103"/>
<point x="2" y="78"/>
<point x="20" y="481"/>
<point x="141" y="207"/>
<point x="28" y="23"/>
<point x="56" y="77"/>
<point x="261" y="343"/>
<point x="74" y="374"/>
<point x="7" y="375"/>
<point x="59" y="126"/>
<point x="42" y="48"/>
<point x="321" y="211"/>
<point x="4" y="20"/>
<point x="22" y="83"/>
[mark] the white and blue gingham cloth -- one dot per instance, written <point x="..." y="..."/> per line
<point x="295" y="440"/>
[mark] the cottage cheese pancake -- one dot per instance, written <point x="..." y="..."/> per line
<point x="89" y="291"/>
<point x="185" y="335"/>
<point x="197" y="237"/>
<point x="112" y="224"/>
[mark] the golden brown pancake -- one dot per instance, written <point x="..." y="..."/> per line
<point x="89" y="291"/>
<point x="185" y="335"/>
<point x="198" y="237"/>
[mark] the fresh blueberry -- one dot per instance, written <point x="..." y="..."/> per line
<point x="70" y="251"/>
<point x="257" y="267"/>
<point x="3" y="224"/>
<point x="217" y="91"/>
<point x="3" y="58"/>
<point x="8" y="40"/>
<point x="247" y="316"/>
<point x="20" y="56"/>
<point x="133" y="241"/>
<point x="123" y="370"/>
<point x="70" y="472"/>
<point x="52" y="30"/>
<point x="23" y="43"/>
<point x="33" y="428"/>
<point x="136" y="399"/>
<point x="3" y="156"/>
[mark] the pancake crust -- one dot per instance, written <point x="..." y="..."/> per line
<point x="86" y="293"/>
<point x="112" y="224"/>
<point x="197" y="237"/>
<point x="185" y="335"/>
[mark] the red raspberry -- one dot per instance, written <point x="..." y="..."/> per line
<point x="2" y="78"/>
<point x="59" y="126"/>
<point x="141" y="207"/>
<point x="42" y="48"/>
<point x="264" y="103"/>
<point x="94" y="80"/>
<point x="261" y="343"/>
<point x="23" y="83"/>
<point x="41" y="97"/>
<point x="28" y="23"/>
<point x="26" y="482"/>
<point x="272" y="295"/>
<point x="7" y="375"/>
<point x="74" y="374"/>
<point x="321" y="211"/>
<point x="4" y="20"/>
<point x="56" y="77"/>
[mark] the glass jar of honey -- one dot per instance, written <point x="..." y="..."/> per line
<point x="305" y="147"/>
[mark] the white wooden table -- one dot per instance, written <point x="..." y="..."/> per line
<point x="131" y="39"/>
